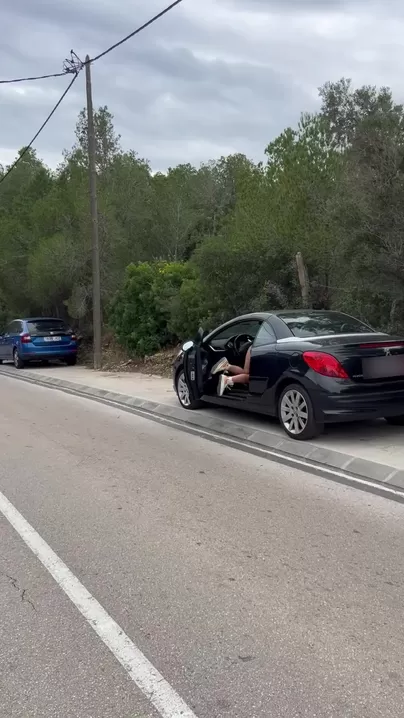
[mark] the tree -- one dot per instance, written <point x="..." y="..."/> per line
<point x="345" y="109"/>
<point x="107" y="143"/>
<point x="303" y="170"/>
<point x="204" y="244"/>
<point x="371" y="220"/>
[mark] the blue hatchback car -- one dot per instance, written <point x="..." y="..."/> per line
<point x="38" y="339"/>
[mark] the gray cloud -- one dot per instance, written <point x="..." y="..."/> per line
<point x="212" y="77"/>
<point x="326" y="6"/>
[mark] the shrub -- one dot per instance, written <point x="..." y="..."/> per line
<point x="133" y="315"/>
<point x="188" y="309"/>
<point x="159" y="303"/>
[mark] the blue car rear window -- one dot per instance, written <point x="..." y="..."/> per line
<point x="46" y="326"/>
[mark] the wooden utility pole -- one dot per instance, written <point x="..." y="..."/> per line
<point x="303" y="280"/>
<point x="94" y="221"/>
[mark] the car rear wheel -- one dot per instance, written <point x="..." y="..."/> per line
<point x="71" y="361"/>
<point x="395" y="420"/>
<point x="184" y="394"/>
<point x="296" y="414"/>
<point x="18" y="362"/>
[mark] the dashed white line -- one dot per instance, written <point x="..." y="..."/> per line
<point x="153" y="685"/>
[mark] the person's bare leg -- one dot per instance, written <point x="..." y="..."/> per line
<point x="239" y="379"/>
<point x="238" y="371"/>
<point x="234" y="369"/>
<point x="247" y="362"/>
<point x="226" y="382"/>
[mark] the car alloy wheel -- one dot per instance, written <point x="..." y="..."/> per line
<point x="294" y="412"/>
<point x="183" y="391"/>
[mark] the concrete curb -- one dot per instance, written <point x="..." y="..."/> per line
<point x="372" y="476"/>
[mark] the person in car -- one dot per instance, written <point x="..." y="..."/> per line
<point x="237" y="374"/>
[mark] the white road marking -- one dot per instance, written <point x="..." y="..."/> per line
<point x="158" y="691"/>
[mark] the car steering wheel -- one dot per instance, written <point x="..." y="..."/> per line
<point x="237" y="343"/>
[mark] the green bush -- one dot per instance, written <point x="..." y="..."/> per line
<point x="137" y="323"/>
<point x="159" y="303"/>
<point x="188" y="310"/>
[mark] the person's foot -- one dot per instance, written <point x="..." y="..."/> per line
<point x="225" y="382"/>
<point x="221" y="365"/>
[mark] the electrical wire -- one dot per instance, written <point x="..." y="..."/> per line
<point x="72" y="68"/>
<point x="75" y="65"/>
<point x="136" y="32"/>
<point x="38" y="77"/>
<point x="25" y="150"/>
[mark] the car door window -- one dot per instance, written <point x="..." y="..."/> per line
<point x="220" y="339"/>
<point x="266" y="335"/>
<point x="14" y="328"/>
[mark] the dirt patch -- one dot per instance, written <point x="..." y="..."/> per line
<point x="115" y="359"/>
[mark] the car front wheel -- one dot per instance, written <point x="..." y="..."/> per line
<point x="18" y="362"/>
<point x="296" y="414"/>
<point x="184" y="394"/>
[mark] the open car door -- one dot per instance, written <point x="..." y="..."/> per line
<point x="193" y="366"/>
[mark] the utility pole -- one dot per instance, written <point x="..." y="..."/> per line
<point x="94" y="220"/>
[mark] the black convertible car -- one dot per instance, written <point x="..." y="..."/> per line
<point x="307" y="368"/>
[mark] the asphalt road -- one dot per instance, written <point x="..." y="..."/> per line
<point x="257" y="591"/>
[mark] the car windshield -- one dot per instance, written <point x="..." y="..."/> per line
<point x="310" y="324"/>
<point x="46" y="326"/>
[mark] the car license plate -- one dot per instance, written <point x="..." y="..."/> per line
<point x="383" y="367"/>
<point x="53" y="339"/>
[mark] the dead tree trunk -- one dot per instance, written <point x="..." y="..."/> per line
<point x="303" y="280"/>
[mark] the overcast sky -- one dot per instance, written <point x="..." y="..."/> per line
<point x="211" y="78"/>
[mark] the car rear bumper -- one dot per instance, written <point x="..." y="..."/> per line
<point x="29" y="353"/>
<point x="361" y="407"/>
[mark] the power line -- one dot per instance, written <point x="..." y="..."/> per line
<point x="25" y="150"/>
<point x="136" y="32"/>
<point x="71" y="67"/>
<point x="74" y="66"/>
<point x="38" y="77"/>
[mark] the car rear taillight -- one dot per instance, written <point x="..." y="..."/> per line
<point x="73" y="337"/>
<point x="25" y="338"/>
<point x="325" y="364"/>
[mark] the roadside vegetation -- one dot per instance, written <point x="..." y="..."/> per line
<point x="200" y="245"/>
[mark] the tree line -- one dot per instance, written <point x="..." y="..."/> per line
<point x="199" y="245"/>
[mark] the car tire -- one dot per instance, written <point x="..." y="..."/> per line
<point x="395" y="420"/>
<point x="296" y="414"/>
<point x="71" y="361"/>
<point x="183" y="393"/>
<point x="18" y="362"/>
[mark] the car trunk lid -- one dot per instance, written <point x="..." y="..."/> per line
<point x="47" y="333"/>
<point x="367" y="358"/>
